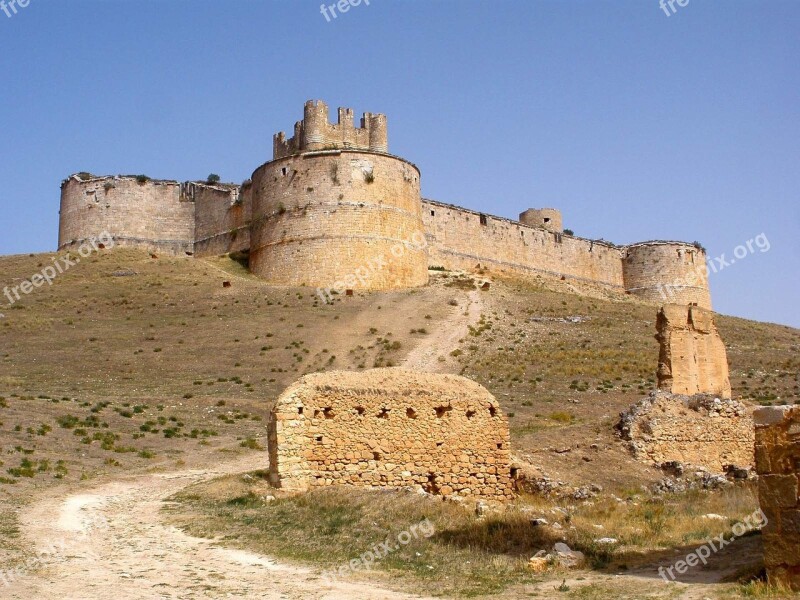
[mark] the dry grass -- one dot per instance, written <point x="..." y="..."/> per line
<point x="466" y="556"/>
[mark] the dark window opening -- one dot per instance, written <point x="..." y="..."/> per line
<point x="318" y="438"/>
<point x="376" y="456"/>
<point x="547" y="219"/>
<point x="433" y="213"/>
<point x="483" y="220"/>
<point x="300" y="410"/>
<point x="470" y="414"/>
<point x="328" y="413"/>
<point x="360" y="410"/>
<point x="442" y="411"/>
<point x="493" y="411"/>
<point x="411" y="413"/>
<point x="384" y="414"/>
<point x="284" y="171"/>
<point x="499" y="445"/>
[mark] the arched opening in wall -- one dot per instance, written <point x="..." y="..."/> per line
<point x="492" y="411"/>
<point x="411" y="413"/>
<point x="470" y="413"/>
<point x="360" y="410"/>
<point x="384" y="413"/>
<point x="284" y="171"/>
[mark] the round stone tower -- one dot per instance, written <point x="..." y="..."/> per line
<point x="548" y="218"/>
<point x="134" y="211"/>
<point x="667" y="273"/>
<point x="334" y="210"/>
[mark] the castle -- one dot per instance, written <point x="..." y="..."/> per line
<point x="334" y="200"/>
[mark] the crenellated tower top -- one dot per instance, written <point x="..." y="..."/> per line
<point x="314" y="132"/>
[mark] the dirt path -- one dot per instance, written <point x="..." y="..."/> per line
<point x="442" y="341"/>
<point x="110" y="542"/>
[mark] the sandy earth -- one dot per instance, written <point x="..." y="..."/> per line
<point x="110" y="542"/>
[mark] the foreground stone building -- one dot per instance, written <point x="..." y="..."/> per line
<point x="777" y="452"/>
<point x="391" y="428"/>
<point x="333" y="202"/>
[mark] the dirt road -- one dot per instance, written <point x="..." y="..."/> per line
<point x="110" y="542"/>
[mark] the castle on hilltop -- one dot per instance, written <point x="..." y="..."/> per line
<point x="333" y="202"/>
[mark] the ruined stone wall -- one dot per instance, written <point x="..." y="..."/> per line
<point x="777" y="451"/>
<point x="461" y="239"/>
<point x="692" y="357"/>
<point x="151" y="215"/>
<point x="391" y="428"/>
<point x="222" y="217"/>
<point x="319" y="218"/>
<point x="698" y="430"/>
<point x="667" y="272"/>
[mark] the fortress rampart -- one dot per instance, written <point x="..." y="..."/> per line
<point x="321" y="216"/>
<point x="145" y="213"/>
<point x="333" y="204"/>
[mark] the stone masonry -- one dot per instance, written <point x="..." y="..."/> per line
<point x="332" y="203"/>
<point x="777" y="453"/>
<point x="692" y="358"/>
<point x="391" y="428"/>
<point x="697" y="430"/>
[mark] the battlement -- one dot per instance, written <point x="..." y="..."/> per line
<point x="315" y="132"/>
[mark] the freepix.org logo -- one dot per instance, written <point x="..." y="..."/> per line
<point x="11" y="7"/>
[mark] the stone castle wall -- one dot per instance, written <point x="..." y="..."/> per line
<point x="320" y="218"/>
<point x="333" y="207"/>
<point x="391" y="428"/>
<point x="152" y="214"/>
<point x="692" y="357"/>
<point x="462" y="239"/>
<point x="777" y="453"/>
<point x="222" y="218"/>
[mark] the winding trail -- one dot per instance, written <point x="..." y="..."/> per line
<point x="424" y="356"/>
<point x="109" y="542"/>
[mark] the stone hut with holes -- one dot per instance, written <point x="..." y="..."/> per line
<point x="391" y="428"/>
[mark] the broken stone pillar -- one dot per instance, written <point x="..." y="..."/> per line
<point x="692" y="358"/>
<point x="778" y="466"/>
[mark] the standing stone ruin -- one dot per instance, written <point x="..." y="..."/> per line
<point x="391" y="428"/>
<point x="692" y="358"/>
<point x="777" y="452"/>
<point x="691" y="418"/>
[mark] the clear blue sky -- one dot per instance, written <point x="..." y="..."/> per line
<point x="636" y="125"/>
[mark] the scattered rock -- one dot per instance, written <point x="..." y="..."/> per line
<point x="481" y="508"/>
<point x="568" y="558"/>
<point x="539" y="522"/>
<point x="606" y="540"/>
<point x="714" y="517"/>
<point x="124" y="273"/>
